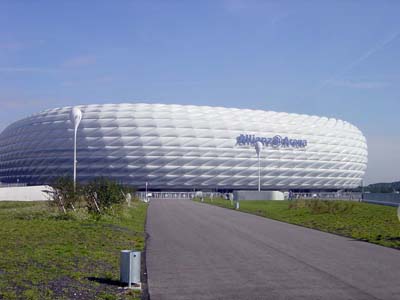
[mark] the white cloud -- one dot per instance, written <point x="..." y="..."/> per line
<point x="382" y="44"/>
<point x="271" y="11"/>
<point x="234" y="6"/>
<point x="11" y="45"/>
<point x="76" y="62"/>
<point x="80" y="61"/>
<point x="98" y="80"/>
<point x="356" y="84"/>
<point x="18" y="45"/>
<point x="14" y="103"/>
<point x="25" y="70"/>
<point x="379" y="46"/>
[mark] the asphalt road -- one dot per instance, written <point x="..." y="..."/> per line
<point x="199" y="251"/>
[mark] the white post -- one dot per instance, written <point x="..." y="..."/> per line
<point x="76" y="117"/>
<point x="145" y="198"/>
<point x="128" y="198"/>
<point x="75" y="132"/>
<point x="258" y="146"/>
<point x="259" y="174"/>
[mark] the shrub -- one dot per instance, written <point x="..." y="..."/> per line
<point x="63" y="195"/>
<point x="99" y="196"/>
<point x="102" y="194"/>
<point x="323" y="206"/>
<point x="294" y="204"/>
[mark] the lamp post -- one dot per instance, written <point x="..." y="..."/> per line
<point x="145" y="199"/>
<point x="362" y="189"/>
<point x="258" y="146"/>
<point x="76" y="117"/>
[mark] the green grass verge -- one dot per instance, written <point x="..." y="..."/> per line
<point x="368" y="222"/>
<point x="44" y="255"/>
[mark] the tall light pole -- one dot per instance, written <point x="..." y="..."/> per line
<point x="362" y="189"/>
<point x="146" y="192"/>
<point x="76" y="117"/>
<point x="258" y="146"/>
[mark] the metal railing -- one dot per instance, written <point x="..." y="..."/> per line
<point x="4" y="185"/>
<point x="177" y="195"/>
<point x="349" y="196"/>
<point x="329" y="196"/>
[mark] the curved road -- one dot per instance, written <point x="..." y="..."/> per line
<point x="199" y="251"/>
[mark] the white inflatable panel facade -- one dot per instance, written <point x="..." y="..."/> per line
<point x="185" y="147"/>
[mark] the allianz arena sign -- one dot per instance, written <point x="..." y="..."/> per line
<point x="275" y="142"/>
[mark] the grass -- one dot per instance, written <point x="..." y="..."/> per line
<point x="44" y="255"/>
<point x="367" y="222"/>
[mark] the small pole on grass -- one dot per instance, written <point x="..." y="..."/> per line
<point x="258" y="146"/>
<point x="231" y="198"/>
<point x="128" y="198"/>
<point x="237" y="204"/>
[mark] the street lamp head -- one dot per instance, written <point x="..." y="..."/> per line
<point x="258" y="146"/>
<point x="76" y="116"/>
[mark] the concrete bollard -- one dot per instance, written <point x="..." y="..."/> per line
<point x="130" y="267"/>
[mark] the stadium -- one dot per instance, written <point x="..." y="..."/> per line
<point x="185" y="147"/>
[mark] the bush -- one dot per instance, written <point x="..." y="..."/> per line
<point x="294" y="204"/>
<point x="102" y="194"/>
<point x="99" y="196"/>
<point x="323" y="206"/>
<point x="63" y="195"/>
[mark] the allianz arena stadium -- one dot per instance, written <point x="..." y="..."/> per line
<point x="185" y="147"/>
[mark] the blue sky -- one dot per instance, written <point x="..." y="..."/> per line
<point x="333" y="58"/>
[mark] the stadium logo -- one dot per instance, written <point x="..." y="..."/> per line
<point x="274" y="142"/>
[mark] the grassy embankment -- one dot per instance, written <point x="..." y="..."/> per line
<point x="368" y="222"/>
<point x="45" y="255"/>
